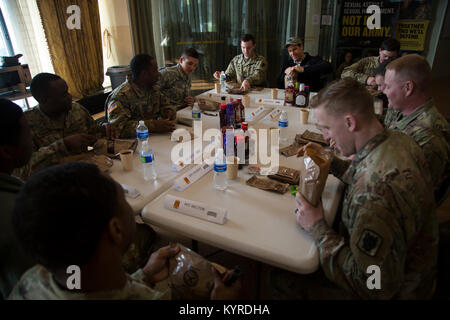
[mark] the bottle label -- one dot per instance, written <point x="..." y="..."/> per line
<point x="196" y="115"/>
<point x="300" y="100"/>
<point x="142" y="135"/>
<point x="147" y="157"/>
<point x="220" y="167"/>
<point x="283" y="124"/>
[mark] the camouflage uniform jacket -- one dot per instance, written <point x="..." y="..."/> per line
<point x="48" y="135"/>
<point x="175" y="85"/>
<point x="391" y="117"/>
<point x="128" y="104"/>
<point x="432" y="132"/>
<point x="38" y="284"/>
<point x="254" y="70"/>
<point x="362" y="69"/>
<point x="388" y="220"/>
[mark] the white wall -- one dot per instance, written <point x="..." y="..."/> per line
<point x="114" y="17"/>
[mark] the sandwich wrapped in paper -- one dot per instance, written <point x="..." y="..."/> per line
<point x="268" y="184"/>
<point x="190" y="275"/>
<point x="208" y="105"/>
<point x="312" y="183"/>
<point x="286" y="175"/>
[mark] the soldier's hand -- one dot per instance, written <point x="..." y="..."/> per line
<point x="111" y="131"/>
<point x="217" y="75"/>
<point x="170" y="114"/>
<point x="163" y="125"/>
<point x="221" y="291"/>
<point x="299" y="69"/>
<point x="245" y="86"/>
<point x="311" y="145"/>
<point x="307" y="215"/>
<point x="289" y="70"/>
<point x="79" y="142"/>
<point x="371" y="82"/>
<point x="157" y="267"/>
<point x="189" y="101"/>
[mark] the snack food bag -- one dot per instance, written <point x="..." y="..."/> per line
<point x="312" y="183"/>
<point x="190" y="275"/>
<point x="268" y="184"/>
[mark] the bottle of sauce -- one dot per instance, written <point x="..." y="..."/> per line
<point x="289" y="98"/>
<point x="300" y="99"/>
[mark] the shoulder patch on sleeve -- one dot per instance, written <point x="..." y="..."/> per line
<point x="369" y="242"/>
<point x="112" y="107"/>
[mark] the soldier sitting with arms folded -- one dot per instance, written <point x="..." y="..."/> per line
<point x="139" y="98"/>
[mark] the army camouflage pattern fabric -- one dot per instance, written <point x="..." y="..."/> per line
<point x="38" y="284"/>
<point x="175" y="85"/>
<point x="48" y="135"/>
<point x="362" y="69"/>
<point x="432" y="132"/>
<point x="388" y="220"/>
<point x="254" y="70"/>
<point x="128" y="104"/>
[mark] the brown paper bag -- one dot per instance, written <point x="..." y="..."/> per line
<point x="267" y="184"/>
<point x="287" y="175"/>
<point x="190" y="275"/>
<point x="317" y="165"/>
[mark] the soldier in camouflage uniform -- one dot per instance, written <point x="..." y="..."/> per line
<point x="99" y="231"/>
<point x="139" y="98"/>
<point x="388" y="214"/>
<point x="247" y="69"/>
<point x="363" y="70"/>
<point x="407" y="86"/>
<point x="60" y="126"/>
<point x="175" y="82"/>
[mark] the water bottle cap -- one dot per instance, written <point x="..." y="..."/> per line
<point x="141" y="122"/>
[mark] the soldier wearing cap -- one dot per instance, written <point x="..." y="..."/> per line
<point x="247" y="69"/>
<point x="363" y="70"/>
<point x="302" y="67"/>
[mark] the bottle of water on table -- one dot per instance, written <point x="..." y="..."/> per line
<point x="283" y="126"/>
<point x="220" y="170"/>
<point x="148" y="161"/>
<point x="223" y="79"/>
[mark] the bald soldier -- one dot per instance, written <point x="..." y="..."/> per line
<point x="247" y="69"/>
<point x="139" y="98"/>
<point x="60" y="126"/>
<point x="407" y="85"/>
<point x="388" y="214"/>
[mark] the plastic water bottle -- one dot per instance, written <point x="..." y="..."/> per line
<point x="223" y="79"/>
<point x="141" y="133"/>
<point x="148" y="161"/>
<point x="283" y="125"/>
<point x="220" y="168"/>
<point x="196" y="115"/>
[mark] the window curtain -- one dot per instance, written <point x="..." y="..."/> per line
<point x="214" y="28"/>
<point x="76" y="54"/>
<point x="142" y="26"/>
<point x="27" y="35"/>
